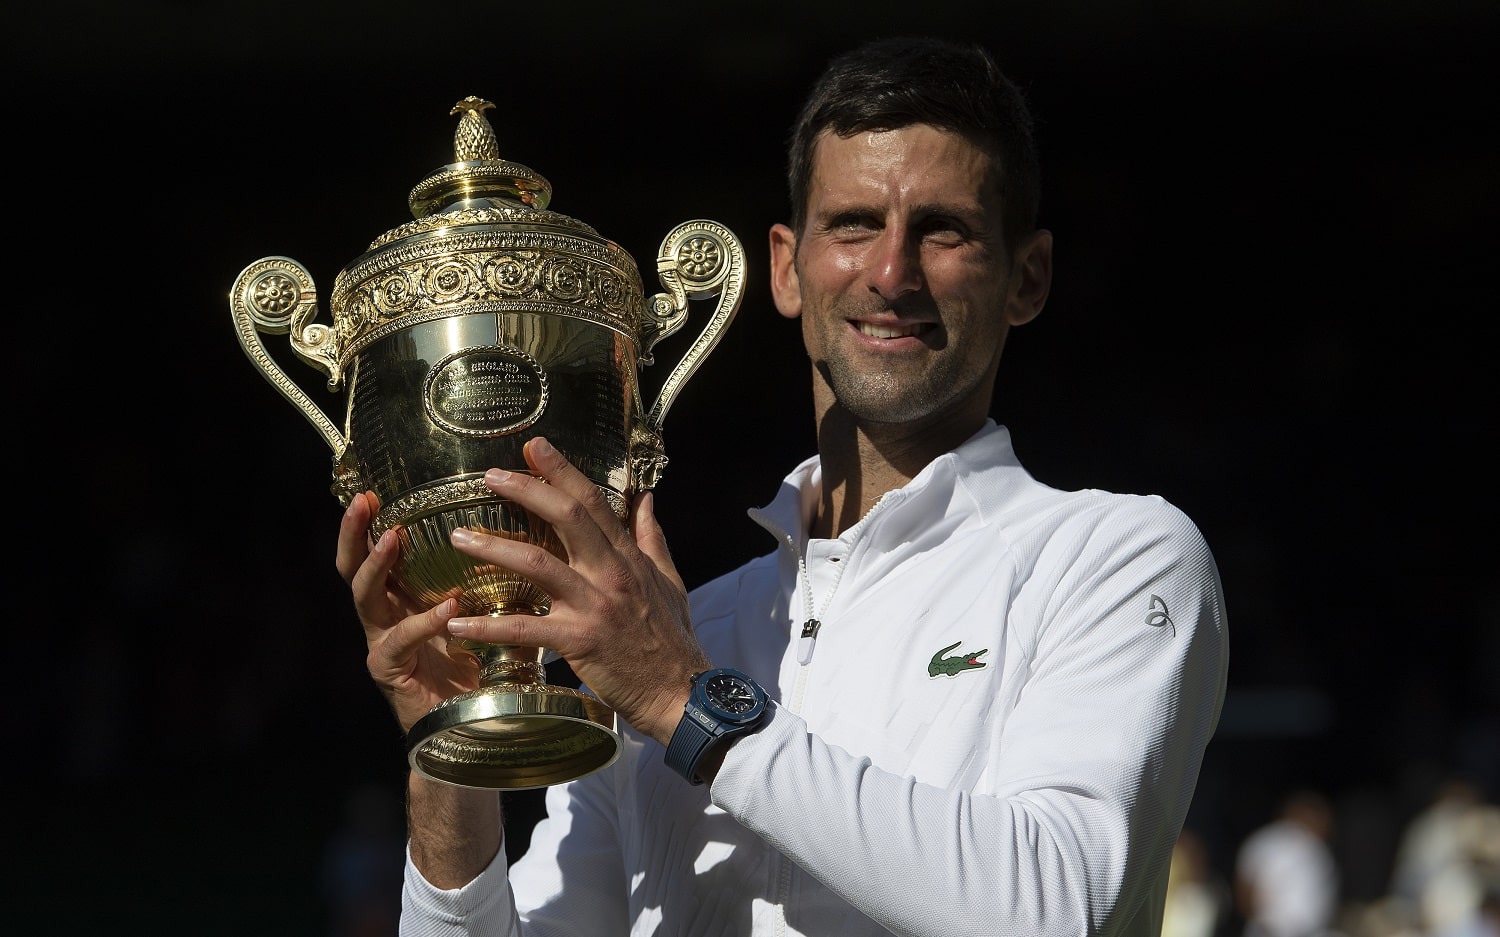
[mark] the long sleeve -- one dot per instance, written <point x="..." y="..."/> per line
<point x="1115" y="659"/>
<point x="482" y="908"/>
<point x="575" y="846"/>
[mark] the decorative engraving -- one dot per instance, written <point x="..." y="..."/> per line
<point x="512" y="273"/>
<point x="393" y="295"/>
<point x="699" y="258"/>
<point x="648" y="458"/>
<point x="413" y="504"/>
<point x="450" y="280"/>
<point x="459" y="271"/>
<point x="484" y="217"/>
<point x="454" y="749"/>
<point x="611" y="292"/>
<point x="272" y="296"/>
<point x="563" y="279"/>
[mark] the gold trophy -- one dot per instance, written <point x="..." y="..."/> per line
<point x="459" y="336"/>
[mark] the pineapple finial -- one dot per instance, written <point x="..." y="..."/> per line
<point x="474" y="139"/>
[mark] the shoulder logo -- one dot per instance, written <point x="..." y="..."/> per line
<point x="1158" y="617"/>
<point x="941" y="666"/>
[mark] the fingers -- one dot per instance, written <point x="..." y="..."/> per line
<point x="372" y="601"/>
<point x="409" y="654"/>
<point x="393" y="658"/>
<point x="522" y="630"/>
<point x="599" y="558"/>
<point x="353" y="544"/>
<point x="415" y="666"/>
<point x="649" y="536"/>
<point x="563" y="477"/>
<point x="611" y="586"/>
<point x="571" y="504"/>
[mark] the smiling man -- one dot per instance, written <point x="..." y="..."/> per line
<point x="944" y="703"/>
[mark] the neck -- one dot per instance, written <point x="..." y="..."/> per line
<point x="862" y="461"/>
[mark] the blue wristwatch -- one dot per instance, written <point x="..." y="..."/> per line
<point x="723" y="703"/>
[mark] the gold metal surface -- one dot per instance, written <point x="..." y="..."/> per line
<point x="456" y="337"/>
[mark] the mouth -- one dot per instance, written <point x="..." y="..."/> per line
<point x="892" y="331"/>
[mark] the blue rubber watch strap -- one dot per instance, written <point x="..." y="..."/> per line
<point x="689" y="741"/>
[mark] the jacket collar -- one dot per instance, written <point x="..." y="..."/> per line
<point x="957" y="488"/>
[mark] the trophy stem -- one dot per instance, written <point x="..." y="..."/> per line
<point x="509" y="663"/>
<point x="516" y="731"/>
<point x="512" y="671"/>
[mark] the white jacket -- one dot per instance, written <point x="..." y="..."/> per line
<point x="997" y="731"/>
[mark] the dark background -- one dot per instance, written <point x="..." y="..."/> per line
<point x="1273" y="306"/>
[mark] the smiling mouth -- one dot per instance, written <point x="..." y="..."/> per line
<point x="892" y="331"/>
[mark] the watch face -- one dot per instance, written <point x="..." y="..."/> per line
<point x="730" y="694"/>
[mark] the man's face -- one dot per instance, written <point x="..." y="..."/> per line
<point x="901" y="277"/>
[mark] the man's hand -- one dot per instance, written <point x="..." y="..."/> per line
<point x="409" y="655"/>
<point x="619" y="611"/>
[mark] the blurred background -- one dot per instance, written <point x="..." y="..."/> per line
<point x="1273" y="305"/>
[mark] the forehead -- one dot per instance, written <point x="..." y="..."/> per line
<point x="917" y="161"/>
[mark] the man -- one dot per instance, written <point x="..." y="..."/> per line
<point x="1286" y="879"/>
<point x="988" y="699"/>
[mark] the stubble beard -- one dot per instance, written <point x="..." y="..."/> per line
<point x="893" y="396"/>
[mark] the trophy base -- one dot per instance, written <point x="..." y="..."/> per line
<point x="514" y="736"/>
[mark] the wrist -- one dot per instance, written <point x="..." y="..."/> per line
<point x="670" y="704"/>
<point x="453" y="833"/>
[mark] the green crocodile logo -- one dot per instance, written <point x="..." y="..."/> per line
<point x="941" y="666"/>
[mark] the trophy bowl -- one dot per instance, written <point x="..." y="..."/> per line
<point x="457" y="337"/>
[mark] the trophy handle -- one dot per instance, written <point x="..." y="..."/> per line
<point x="697" y="260"/>
<point x="276" y="295"/>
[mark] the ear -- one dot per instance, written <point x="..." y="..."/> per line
<point x="1031" y="278"/>
<point x="785" y="288"/>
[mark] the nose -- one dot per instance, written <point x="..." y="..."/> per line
<point x="896" y="264"/>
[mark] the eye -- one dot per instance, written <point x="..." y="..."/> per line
<point x="943" y="229"/>
<point x="852" y="223"/>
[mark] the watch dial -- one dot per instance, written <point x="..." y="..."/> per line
<point x="730" y="694"/>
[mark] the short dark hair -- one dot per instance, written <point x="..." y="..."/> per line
<point x="892" y="83"/>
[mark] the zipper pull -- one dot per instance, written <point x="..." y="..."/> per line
<point x="808" y="639"/>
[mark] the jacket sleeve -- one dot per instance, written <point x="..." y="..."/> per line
<point x="1089" y="782"/>
<point x="482" y="908"/>
<point x="580" y="833"/>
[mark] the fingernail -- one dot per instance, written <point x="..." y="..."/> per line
<point x="496" y="476"/>
<point x="386" y="542"/>
<point x="463" y="536"/>
<point x="460" y="627"/>
<point x="541" y="446"/>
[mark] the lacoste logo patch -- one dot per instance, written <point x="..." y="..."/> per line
<point x="941" y="666"/>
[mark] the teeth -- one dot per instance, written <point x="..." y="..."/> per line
<point x="885" y="331"/>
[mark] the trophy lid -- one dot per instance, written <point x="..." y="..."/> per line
<point x="478" y="175"/>
<point x="482" y="239"/>
<point x="480" y="188"/>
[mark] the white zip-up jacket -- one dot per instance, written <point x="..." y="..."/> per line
<point x="996" y="731"/>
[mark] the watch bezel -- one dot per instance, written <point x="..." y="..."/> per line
<point x="707" y="686"/>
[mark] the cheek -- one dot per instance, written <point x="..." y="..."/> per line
<point x="825" y="265"/>
<point x="979" y="325"/>
<point x="846" y="264"/>
<point x="814" y="327"/>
